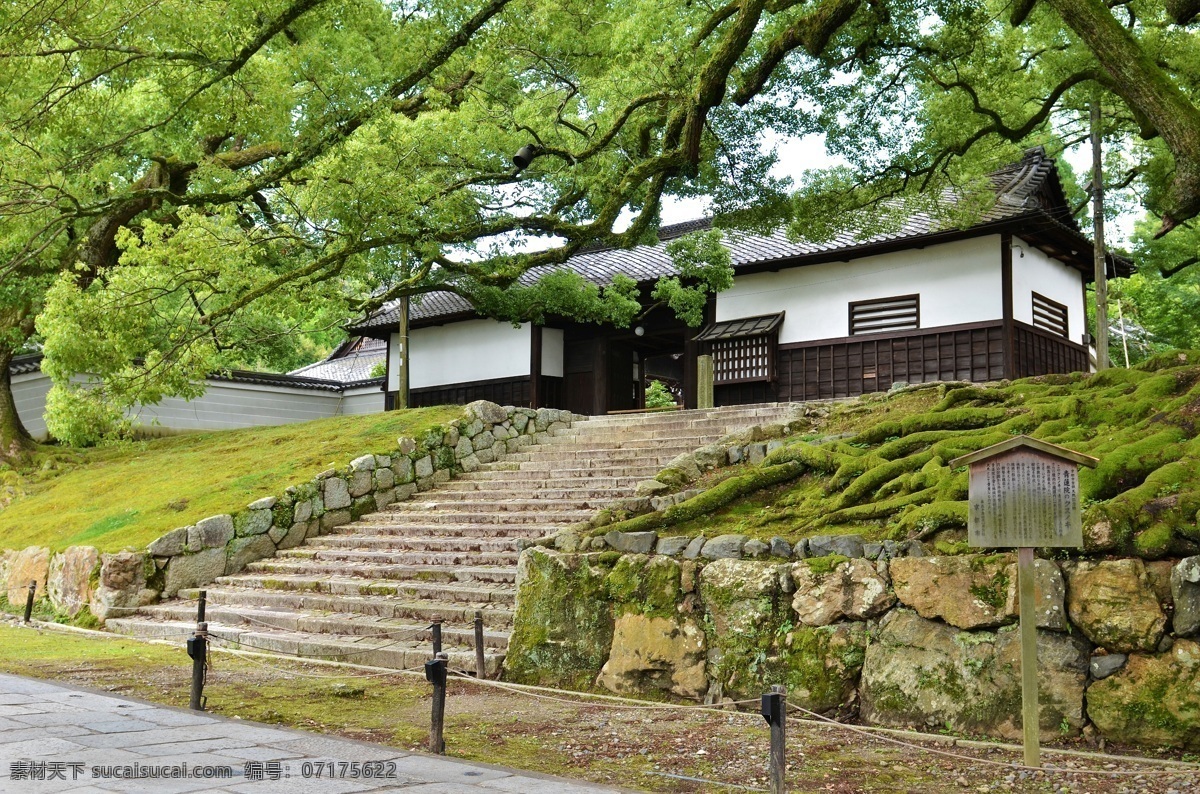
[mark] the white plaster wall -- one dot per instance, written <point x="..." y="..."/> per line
<point x="1038" y="272"/>
<point x="29" y="392"/>
<point x="362" y="400"/>
<point x="471" y="350"/>
<point x="959" y="282"/>
<point x="394" y="363"/>
<point x="552" y="352"/>
<point x="224" y="405"/>
<point x="227" y="404"/>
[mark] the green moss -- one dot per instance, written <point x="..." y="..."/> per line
<point x="823" y="565"/>
<point x="645" y="585"/>
<point x="128" y="494"/>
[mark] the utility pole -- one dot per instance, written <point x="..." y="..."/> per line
<point x="402" y="358"/>
<point x="1100" y="255"/>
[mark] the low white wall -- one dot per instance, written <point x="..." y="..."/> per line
<point x="958" y="282"/>
<point x="224" y="405"/>
<point x="1034" y="271"/>
<point x="471" y="350"/>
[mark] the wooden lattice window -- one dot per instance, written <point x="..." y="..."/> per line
<point x="901" y="313"/>
<point x="1049" y="315"/>
<point x="743" y="351"/>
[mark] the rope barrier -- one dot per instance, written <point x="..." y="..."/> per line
<point x="812" y="715"/>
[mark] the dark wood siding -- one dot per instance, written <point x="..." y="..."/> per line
<point x="858" y="365"/>
<point x="505" y="391"/>
<point x="1040" y="352"/>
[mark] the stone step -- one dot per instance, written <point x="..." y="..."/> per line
<point x="475" y="594"/>
<point x="398" y="528"/>
<point x="425" y="573"/>
<point x="418" y="543"/>
<point x="567" y="469"/>
<point x="550" y="489"/>
<point x="374" y="604"/>
<point x="593" y="479"/>
<point x="319" y="553"/>
<point x="396" y="513"/>
<point x="343" y="624"/>
<point x="600" y="444"/>
<point x="562" y="474"/>
<point x="354" y="650"/>
<point x="500" y="507"/>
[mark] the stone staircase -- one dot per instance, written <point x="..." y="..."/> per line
<point x="368" y="592"/>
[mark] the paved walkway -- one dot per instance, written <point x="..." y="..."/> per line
<point x="60" y="738"/>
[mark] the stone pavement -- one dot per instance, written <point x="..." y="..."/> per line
<point x="72" y="734"/>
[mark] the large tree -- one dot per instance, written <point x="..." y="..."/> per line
<point x="181" y="182"/>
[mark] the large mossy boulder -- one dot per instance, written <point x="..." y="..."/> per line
<point x="747" y="611"/>
<point x="821" y="666"/>
<point x="563" y="624"/>
<point x="829" y="589"/>
<point x="926" y="674"/>
<point x="1153" y="700"/>
<point x="1114" y="604"/>
<point x="30" y="564"/>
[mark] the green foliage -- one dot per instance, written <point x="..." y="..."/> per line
<point x="658" y="395"/>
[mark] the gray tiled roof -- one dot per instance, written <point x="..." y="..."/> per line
<point x="351" y="368"/>
<point x="1022" y="189"/>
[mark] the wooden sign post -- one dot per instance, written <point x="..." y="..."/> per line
<point x="1024" y="494"/>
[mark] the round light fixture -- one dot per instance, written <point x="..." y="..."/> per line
<point x="639" y="331"/>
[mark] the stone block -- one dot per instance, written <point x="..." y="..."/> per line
<point x="407" y="446"/>
<point x="650" y="488"/>
<point x="296" y="534"/>
<point x="780" y="547"/>
<point x="169" y="544"/>
<point x="844" y="545"/>
<point x="406" y="491"/>
<point x="360" y="482"/>
<point x="266" y="503"/>
<point x="1103" y="666"/>
<point x="194" y="570"/>
<point x="253" y="522"/>
<point x="385" y="498"/>
<point x="441" y="476"/>
<point x="337" y="494"/>
<point x="656" y="654"/>
<point x="484" y="440"/>
<point x="755" y="549"/>
<point x="724" y="547"/>
<point x="463" y="448"/>
<point x="243" y="551"/>
<point x="485" y="455"/>
<point x="851" y="590"/>
<point x="631" y="542"/>
<point x="383" y="462"/>
<point x="385" y="479"/>
<point x="334" y="519"/>
<point x="403" y="469"/>
<point x="469" y="463"/>
<point x="210" y="533"/>
<point x="302" y="512"/>
<point x="925" y="673"/>
<point x="694" y="547"/>
<point x="424" y="468"/>
<point x="278" y="533"/>
<point x="1185" y="592"/>
<point x="31" y="564"/>
<point x="755" y="453"/>
<point x="69" y="583"/>
<point x="1113" y="604"/>
<point x="361" y="506"/>
<point x="1049" y="594"/>
<point x="122" y="584"/>
<point x="1153" y="701"/>
<point x="672" y="546"/>
<point x="486" y="412"/>
<point x="968" y="591"/>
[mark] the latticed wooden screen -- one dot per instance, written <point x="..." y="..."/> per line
<point x="743" y="350"/>
<point x="742" y="360"/>
<point x="1049" y="315"/>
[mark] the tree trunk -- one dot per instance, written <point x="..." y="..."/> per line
<point x="15" y="441"/>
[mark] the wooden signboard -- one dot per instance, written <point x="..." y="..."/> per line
<point x="1024" y="494"/>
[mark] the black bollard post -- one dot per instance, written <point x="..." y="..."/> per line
<point x="480" y="667"/>
<point x="198" y="649"/>
<point x="437" y="634"/>
<point x="435" y="673"/>
<point x="29" y="600"/>
<point x="774" y="711"/>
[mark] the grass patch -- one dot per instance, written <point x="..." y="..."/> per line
<point x="126" y="495"/>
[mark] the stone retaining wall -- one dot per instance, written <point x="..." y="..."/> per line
<point x="917" y="640"/>
<point x="113" y="584"/>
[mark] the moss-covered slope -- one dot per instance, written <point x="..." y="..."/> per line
<point x="879" y="466"/>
